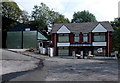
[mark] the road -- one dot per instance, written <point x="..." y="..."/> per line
<point x="72" y="69"/>
<point x="8" y="55"/>
<point x="15" y="64"/>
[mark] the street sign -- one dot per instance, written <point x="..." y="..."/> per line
<point x="99" y="50"/>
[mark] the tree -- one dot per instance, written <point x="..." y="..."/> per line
<point x="24" y="18"/>
<point x="43" y="15"/>
<point x="61" y="19"/>
<point x="40" y="14"/>
<point x="12" y="15"/>
<point x="83" y="16"/>
<point x="116" y="34"/>
<point x="11" y="10"/>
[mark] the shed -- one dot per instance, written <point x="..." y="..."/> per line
<point x="23" y="37"/>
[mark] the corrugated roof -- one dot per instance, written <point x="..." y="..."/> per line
<point x="82" y="27"/>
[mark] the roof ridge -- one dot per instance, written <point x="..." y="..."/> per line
<point x="85" y="22"/>
<point x="83" y="27"/>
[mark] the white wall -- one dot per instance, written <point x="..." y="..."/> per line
<point x="99" y="44"/>
<point x="63" y="44"/>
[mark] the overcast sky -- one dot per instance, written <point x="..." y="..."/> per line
<point x="104" y="10"/>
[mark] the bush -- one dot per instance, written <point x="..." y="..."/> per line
<point x="118" y="55"/>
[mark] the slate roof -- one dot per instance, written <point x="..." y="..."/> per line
<point x="82" y="27"/>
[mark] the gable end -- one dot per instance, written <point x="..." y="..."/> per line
<point x="63" y="29"/>
<point x="99" y="28"/>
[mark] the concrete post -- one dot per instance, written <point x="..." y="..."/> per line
<point x="89" y="52"/>
<point x="51" y="52"/>
<point x="81" y="53"/>
<point x="73" y="53"/>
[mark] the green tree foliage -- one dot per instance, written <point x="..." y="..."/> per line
<point x="43" y="15"/>
<point x="83" y="16"/>
<point x="61" y="19"/>
<point x="11" y="10"/>
<point x="24" y="18"/>
<point x="39" y="15"/>
<point x="10" y="15"/>
<point x="116" y="34"/>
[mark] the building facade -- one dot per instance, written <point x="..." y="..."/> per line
<point x="82" y="38"/>
<point x="23" y="37"/>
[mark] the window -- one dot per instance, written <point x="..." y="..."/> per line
<point x="63" y="37"/>
<point x="40" y="44"/>
<point x="99" y="37"/>
<point x="85" y="37"/>
<point x="76" y="37"/>
<point x="27" y="29"/>
<point x="63" y="51"/>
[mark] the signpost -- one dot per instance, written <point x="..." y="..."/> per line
<point x="99" y="50"/>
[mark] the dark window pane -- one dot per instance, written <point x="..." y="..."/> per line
<point x="63" y="37"/>
<point x="99" y="37"/>
<point x="63" y="51"/>
<point x="76" y="37"/>
<point x="85" y="37"/>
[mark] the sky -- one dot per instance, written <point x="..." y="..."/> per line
<point x="104" y="10"/>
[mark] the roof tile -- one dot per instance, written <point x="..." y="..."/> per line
<point x="81" y="27"/>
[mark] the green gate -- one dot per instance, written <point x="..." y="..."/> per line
<point x="14" y="40"/>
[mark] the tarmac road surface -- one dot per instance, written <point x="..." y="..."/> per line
<point x="12" y="63"/>
<point x="70" y="69"/>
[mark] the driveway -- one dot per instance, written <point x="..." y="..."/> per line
<point x="14" y="62"/>
<point x="71" y="69"/>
